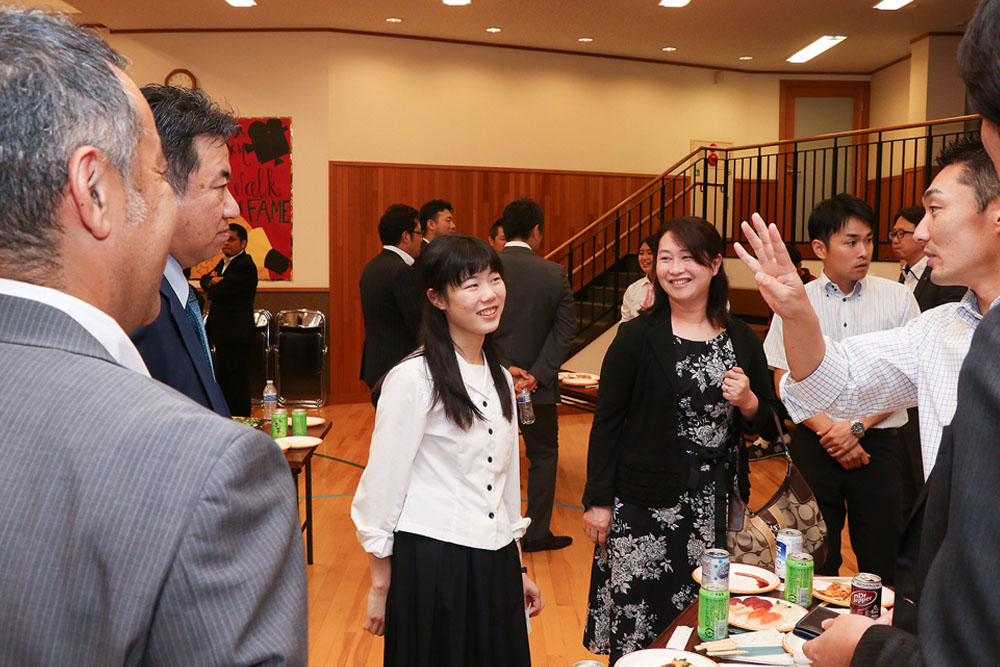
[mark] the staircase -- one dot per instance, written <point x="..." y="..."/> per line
<point x="888" y="167"/>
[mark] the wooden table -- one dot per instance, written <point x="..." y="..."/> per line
<point x="584" y="398"/>
<point x="299" y="461"/>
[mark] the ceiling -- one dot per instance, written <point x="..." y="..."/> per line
<point x="713" y="33"/>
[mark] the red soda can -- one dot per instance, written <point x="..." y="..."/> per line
<point x="866" y="595"/>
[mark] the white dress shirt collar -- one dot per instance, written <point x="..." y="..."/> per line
<point x="518" y="244"/>
<point x="175" y="276"/>
<point x="834" y="288"/>
<point x="98" y="324"/>
<point x="402" y="253"/>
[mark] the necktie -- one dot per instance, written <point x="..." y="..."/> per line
<point x="902" y="274"/>
<point x="194" y="315"/>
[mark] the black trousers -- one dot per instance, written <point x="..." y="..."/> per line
<point x="541" y="445"/>
<point x="232" y="372"/>
<point x="870" y="494"/>
<point x="913" y="463"/>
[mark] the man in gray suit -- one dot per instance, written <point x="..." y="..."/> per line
<point x="536" y="329"/>
<point x="138" y="527"/>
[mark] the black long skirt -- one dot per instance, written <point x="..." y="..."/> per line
<point x="454" y="606"/>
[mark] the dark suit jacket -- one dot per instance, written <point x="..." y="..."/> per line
<point x="539" y="319"/>
<point x="929" y="295"/>
<point x="391" y="305"/>
<point x="631" y="454"/>
<point x="154" y="532"/>
<point x="230" y="313"/>
<point x="174" y="355"/>
<point x="948" y="559"/>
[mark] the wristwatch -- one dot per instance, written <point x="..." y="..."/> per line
<point x="857" y="428"/>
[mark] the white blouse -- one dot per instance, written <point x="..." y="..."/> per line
<point x="635" y="296"/>
<point x="425" y="475"/>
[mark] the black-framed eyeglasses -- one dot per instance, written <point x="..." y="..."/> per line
<point x="898" y="234"/>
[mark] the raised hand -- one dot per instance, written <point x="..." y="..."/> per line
<point x="776" y="276"/>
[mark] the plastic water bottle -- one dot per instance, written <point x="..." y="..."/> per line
<point x="270" y="399"/>
<point x="525" y="410"/>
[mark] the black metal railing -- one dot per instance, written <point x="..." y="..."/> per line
<point x="887" y="167"/>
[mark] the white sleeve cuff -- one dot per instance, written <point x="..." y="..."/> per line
<point x="816" y="393"/>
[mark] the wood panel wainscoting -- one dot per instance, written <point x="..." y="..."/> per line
<point x="361" y="191"/>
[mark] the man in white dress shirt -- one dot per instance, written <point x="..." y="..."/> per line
<point x="852" y="464"/>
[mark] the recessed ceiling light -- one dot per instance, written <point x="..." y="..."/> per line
<point x="674" y="3"/>
<point x="241" y="3"/>
<point x="669" y="49"/>
<point x="393" y="19"/>
<point x="819" y="46"/>
<point x="746" y="57"/>
<point x="457" y="3"/>
<point x="585" y="39"/>
<point x="493" y="30"/>
<point x="889" y="5"/>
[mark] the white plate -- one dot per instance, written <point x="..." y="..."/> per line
<point x="310" y="421"/>
<point x="820" y="584"/>
<point x="789" y="611"/>
<point x="657" y="657"/>
<point x="747" y="579"/>
<point x="297" y="442"/>
<point x="579" y="379"/>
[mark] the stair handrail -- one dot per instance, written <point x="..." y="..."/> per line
<point x="551" y="255"/>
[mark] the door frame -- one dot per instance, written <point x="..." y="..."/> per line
<point x="789" y="90"/>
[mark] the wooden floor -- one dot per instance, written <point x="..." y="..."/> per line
<point x="338" y="580"/>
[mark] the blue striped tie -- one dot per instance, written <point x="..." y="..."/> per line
<point x="194" y="314"/>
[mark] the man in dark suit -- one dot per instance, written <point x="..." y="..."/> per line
<point x="437" y="218"/>
<point x="947" y="564"/>
<point x="390" y="301"/>
<point x="915" y="274"/>
<point x="155" y="532"/>
<point x="194" y="132"/>
<point x="231" y="288"/>
<point x="536" y="330"/>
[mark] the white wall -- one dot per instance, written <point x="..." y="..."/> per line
<point x="890" y="95"/>
<point x="381" y="99"/>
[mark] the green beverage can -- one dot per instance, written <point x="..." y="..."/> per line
<point x="279" y="423"/>
<point x="799" y="579"/>
<point x="299" y="422"/>
<point x="713" y="611"/>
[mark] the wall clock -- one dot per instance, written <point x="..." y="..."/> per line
<point x="181" y="78"/>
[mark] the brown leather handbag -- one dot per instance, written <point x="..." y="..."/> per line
<point x="751" y="535"/>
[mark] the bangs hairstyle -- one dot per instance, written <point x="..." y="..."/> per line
<point x="447" y="263"/>
<point x="978" y="171"/>
<point x="702" y="240"/>
<point x="831" y="215"/>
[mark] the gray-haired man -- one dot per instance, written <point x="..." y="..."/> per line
<point x="138" y="528"/>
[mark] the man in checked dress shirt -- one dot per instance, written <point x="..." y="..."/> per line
<point x="897" y="368"/>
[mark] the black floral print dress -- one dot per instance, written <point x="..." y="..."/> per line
<point x="642" y="579"/>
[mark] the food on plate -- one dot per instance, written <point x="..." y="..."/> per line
<point x="839" y="591"/>
<point x="763" y="613"/>
<point x="677" y="662"/>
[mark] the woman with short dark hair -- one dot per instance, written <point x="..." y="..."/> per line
<point x="680" y="385"/>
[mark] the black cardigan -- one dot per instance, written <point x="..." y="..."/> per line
<point x="633" y="452"/>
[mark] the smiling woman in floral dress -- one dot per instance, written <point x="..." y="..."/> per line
<point x="680" y="385"/>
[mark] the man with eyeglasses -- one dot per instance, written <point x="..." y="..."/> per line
<point x="914" y="272"/>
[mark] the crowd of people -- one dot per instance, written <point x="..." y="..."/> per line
<point x="158" y="532"/>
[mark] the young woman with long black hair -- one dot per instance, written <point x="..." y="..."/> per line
<point x="438" y="507"/>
